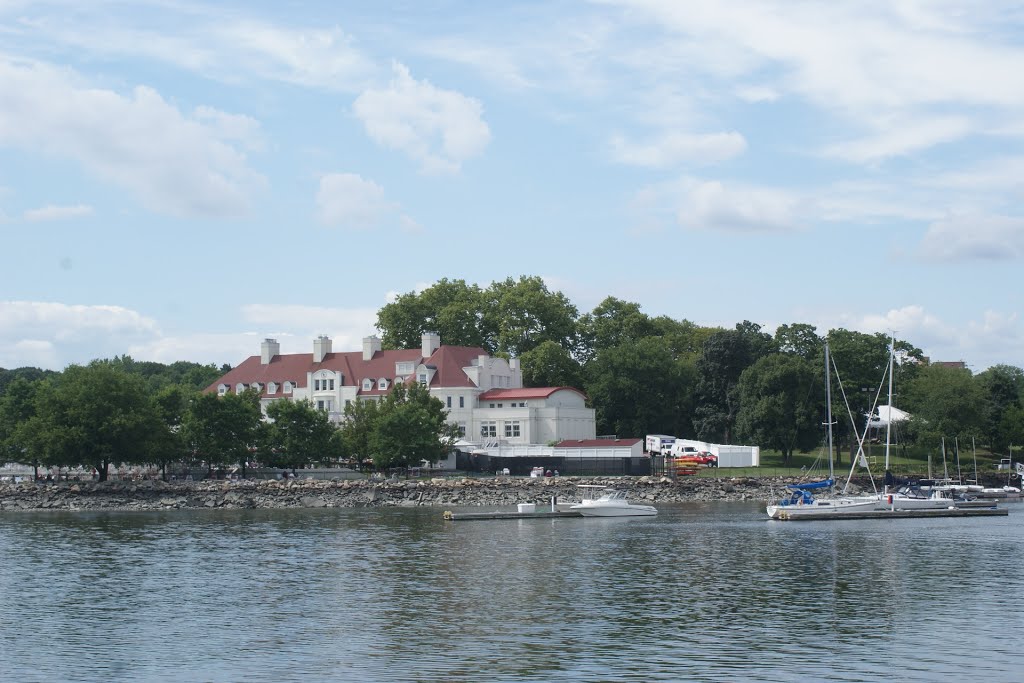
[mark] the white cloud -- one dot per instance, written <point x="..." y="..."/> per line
<point x="675" y="148"/>
<point x="345" y="326"/>
<point x="994" y="338"/>
<point x="757" y="93"/>
<point x="323" y="59"/>
<point x="171" y="162"/>
<point x="713" y="205"/>
<point x="438" y="128"/>
<point x="350" y="201"/>
<point x="57" y="213"/>
<point x="974" y="237"/>
<point x="54" y="334"/>
<point x="901" y="138"/>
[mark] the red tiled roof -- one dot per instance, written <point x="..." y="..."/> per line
<point x="527" y="392"/>
<point x="596" y="443"/>
<point x="293" y="367"/>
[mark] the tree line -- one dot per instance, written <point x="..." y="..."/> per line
<point x="642" y="374"/>
<point x="655" y="374"/>
<point x="113" y="413"/>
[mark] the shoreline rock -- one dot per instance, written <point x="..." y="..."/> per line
<point x="436" y="492"/>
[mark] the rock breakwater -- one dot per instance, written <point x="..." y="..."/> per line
<point x="298" y="493"/>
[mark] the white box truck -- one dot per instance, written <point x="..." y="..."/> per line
<point x="659" y="444"/>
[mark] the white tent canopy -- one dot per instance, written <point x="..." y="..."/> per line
<point x="885" y="414"/>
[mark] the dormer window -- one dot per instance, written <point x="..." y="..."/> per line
<point x="423" y="378"/>
<point x="382" y="383"/>
<point x="368" y="384"/>
<point x="288" y="386"/>
<point x="256" y="386"/>
<point x="239" y="388"/>
<point x="404" y="368"/>
<point x="272" y="388"/>
<point x="222" y="389"/>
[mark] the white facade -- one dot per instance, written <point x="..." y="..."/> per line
<point x="483" y="394"/>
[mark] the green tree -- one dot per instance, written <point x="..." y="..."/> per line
<point x="17" y="425"/>
<point x="524" y="314"/>
<point x="223" y="430"/>
<point x="96" y="415"/>
<point x="1002" y="387"/>
<point x="800" y="339"/>
<point x="638" y="387"/>
<point x="780" y="399"/>
<point x="612" y="323"/>
<point x="451" y="308"/>
<point x="723" y="359"/>
<point x="411" y="428"/>
<point x="172" y="405"/>
<point x="299" y="434"/>
<point x="945" y="403"/>
<point x="361" y="418"/>
<point x="549" y="365"/>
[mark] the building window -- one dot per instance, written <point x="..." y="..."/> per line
<point x="490" y="405"/>
<point x="501" y="405"/>
<point x="489" y="428"/>
<point x="272" y="388"/>
<point x="462" y="401"/>
<point x="316" y="385"/>
<point x="222" y="389"/>
<point x="449" y="401"/>
<point x="239" y="388"/>
<point x="423" y="378"/>
<point x="462" y="429"/>
<point x="325" y="405"/>
<point x="367" y="384"/>
<point x="404" y="368"/>
<point x="348" y="402"/>
<point x="331" y="382"/>
<point x="382" y="383"/>
<point x="288" y="387"/>
<point x="512" y="428"/>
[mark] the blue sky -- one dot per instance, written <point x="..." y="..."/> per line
<point x="180" y="180"/>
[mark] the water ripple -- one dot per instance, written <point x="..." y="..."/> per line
<point x="706" y="592"/>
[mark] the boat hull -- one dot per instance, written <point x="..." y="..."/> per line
<point x="615" y="511"/>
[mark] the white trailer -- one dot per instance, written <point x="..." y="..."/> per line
<point x="660" y="444"/>
<point x="728" y="455"/>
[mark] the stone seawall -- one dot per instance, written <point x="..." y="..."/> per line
<point x="448" y="492"/>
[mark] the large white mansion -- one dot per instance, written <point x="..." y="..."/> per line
<point x="484" y="394"/>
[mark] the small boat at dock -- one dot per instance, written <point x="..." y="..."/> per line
<point x="602" y="501"/>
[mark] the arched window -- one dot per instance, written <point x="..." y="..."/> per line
<point x="382" y="383"/>
<point x="368" y="384"/>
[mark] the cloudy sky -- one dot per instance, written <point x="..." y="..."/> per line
<point x="180" y="180"/>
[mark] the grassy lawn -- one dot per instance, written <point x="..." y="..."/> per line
<point x="905" y="462"/>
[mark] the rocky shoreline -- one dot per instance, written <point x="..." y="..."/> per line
<point x="436" y="492"/>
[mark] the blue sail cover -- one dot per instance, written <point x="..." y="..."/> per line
<point x="827" y="483"/>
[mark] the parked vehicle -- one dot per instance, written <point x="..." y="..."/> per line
<point x="659" y="444"/>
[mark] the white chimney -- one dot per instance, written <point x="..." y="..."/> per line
<point x="268" y="349"/>
<point x="321" y="347"/>
<point x="371" y="345"/>
<point x="431" y="342"/>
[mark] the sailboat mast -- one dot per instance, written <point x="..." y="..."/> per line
<point x="888" y="422"/>
<point x="828" y="408"/>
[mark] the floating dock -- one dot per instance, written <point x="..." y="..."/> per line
<point x="896" y="514"/>
<point x="539" y="514"/>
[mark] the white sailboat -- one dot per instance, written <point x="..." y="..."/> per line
<point x="913" y="497"/>
<point x="801" y="500"/>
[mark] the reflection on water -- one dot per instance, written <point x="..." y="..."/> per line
<point x="707" y="592"/>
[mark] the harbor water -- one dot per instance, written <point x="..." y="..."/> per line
<point x="702" y="592"/>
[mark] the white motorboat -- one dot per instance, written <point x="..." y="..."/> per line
<point x="602" y="501"/>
